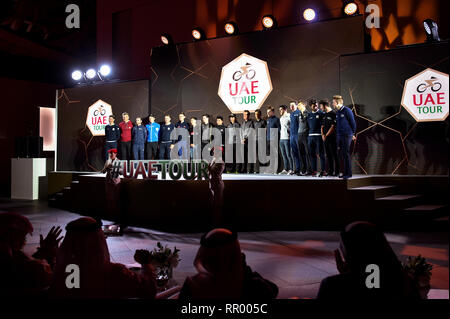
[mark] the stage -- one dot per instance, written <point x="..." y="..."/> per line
<point x="263" y="202"/>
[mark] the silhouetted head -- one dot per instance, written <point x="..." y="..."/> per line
<point x="84" y="245"/>
<point x="362" y="244"/>
<point x="13" y="230"/>
<point x="219" y="253"/>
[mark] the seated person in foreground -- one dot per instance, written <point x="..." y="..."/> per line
<point x="85" y="246"/>
<point x="223" y="272"/>
<point x="21" y="275"/>
<point x="363" y="244"/>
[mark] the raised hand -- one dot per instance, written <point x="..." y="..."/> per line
<point x="142" y="256"/>
<point x="51" y="241"/>
<point x="49" y="245"/>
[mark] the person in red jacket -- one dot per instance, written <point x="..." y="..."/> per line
<point x="125" y="137"/>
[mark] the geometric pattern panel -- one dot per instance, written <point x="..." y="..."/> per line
<point x="389" y="140"/>
<point x="303" y="63"/>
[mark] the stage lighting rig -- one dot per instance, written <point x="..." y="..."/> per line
<point x="431" y="28"/>
<point x="268" y="22"/>
<point x="198" y="34"/>
<point x="231" y="28"/>
<point x="309" y="14"/>
<point x="91" y="74"/>
<point x="104" y="72"/>
<point x="77" y="75"/>
<point x="350" y="8"/>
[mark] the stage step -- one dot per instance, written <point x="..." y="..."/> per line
<point x="424" y="208"/>
<point x="398" y="201"/>
<point x="359" y="182"/>
<point x="374" y="191"/>
<point x="426" y="211"/>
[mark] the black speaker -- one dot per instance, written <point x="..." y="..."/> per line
<point x="29" y="146"/>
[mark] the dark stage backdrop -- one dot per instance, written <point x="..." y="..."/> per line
<point x="389" y="140"/>
<point x="303" y="62"/>
<point x="77" y="149"/>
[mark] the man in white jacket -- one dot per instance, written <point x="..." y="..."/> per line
<point x="285" y="121"/>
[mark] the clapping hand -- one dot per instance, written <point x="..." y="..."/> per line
<point x="50" y="243"/>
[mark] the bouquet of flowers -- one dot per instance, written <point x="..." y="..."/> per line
<point x="164" y="256"/>
<point x="420" y="271"/>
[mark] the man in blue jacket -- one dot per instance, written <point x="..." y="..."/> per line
<point x="164" y="136"/>
<point x="345" y="131"/>
<point x="112" y="135"/>
<point x="152" y="137"/>
<point x="139" y="136"/>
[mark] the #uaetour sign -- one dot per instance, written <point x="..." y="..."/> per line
<point x="245" y="84"/>
<point x="426" y="96"/>
<point x="97" y="117"/>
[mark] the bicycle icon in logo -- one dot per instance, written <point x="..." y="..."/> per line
<point x="246" y="70"/>
<point x="100" y="111"/>
<point x="431" y="83"/>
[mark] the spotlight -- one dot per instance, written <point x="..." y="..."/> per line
<point x="231" y="28"/>
<point x="198" y="34"/>
<point x="77" y="75"/>
<point x="166" y="39"/>
<point x="268" y="22"/>
<point x="90" y="74"/>
<point x="351" y="8"/>
<point x="309" y="14"/>
<point x="105" y="70"/>
<point x="431" y="28"/>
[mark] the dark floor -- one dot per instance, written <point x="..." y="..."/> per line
<point x="295" y="260"/>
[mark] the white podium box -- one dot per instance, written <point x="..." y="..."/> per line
<point x="25" y="173"/>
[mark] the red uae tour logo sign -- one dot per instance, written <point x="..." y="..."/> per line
<point x="426" y="96"/>
<point x="245" y="84"/>
<point x="97" y="117"/>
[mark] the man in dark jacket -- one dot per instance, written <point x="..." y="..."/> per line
<point x="329" y="138"/>
<point x="246" y="133"/>
<point x="164" y="136"/>
<point x="194" y="132"/>
<point x="139" y="137"/>
<point x="232" y="140"/>
<point x="112" y="135"/>
<point x="273" y="123"/>
<point x="258" y="123"/>
<point x="206" y="132"/>
<point x="345" y="130"/>
<point x="221" y="128"/>
<point x="183" y="150"/>
<point x="303" y="133"/>
<point x="293" y="138"/>
<point x="315" y="141"/>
